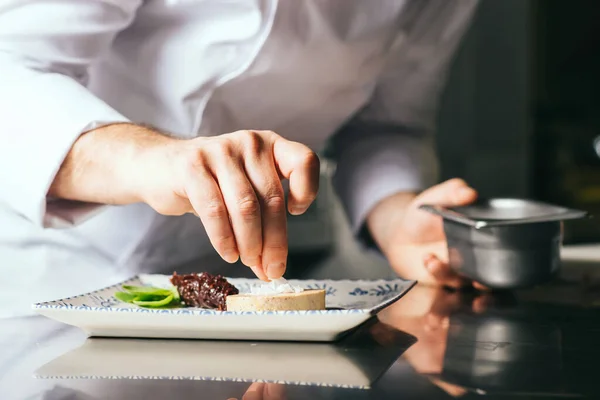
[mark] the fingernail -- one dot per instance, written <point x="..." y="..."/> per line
<point x="275" y="271"/>
<point x="230" y="257"/>
<point x="297" y="210"/>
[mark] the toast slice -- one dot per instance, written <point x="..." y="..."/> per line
<point x="305" y="300"/>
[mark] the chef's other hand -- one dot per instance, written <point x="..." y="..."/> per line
<point x="413" y="240"/>
<point x="233" y="183"/>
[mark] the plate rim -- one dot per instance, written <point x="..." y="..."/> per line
<point x="48" y="305"/>
<point x="201" y="378"/>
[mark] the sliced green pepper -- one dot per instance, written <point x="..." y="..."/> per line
<point x="147" y="296"/>
<point x="154" y="303"/>
<point x="147" y="290"/>
<point x="125" y="297"/>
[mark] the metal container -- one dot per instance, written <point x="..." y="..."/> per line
<point x="505" y="243"/>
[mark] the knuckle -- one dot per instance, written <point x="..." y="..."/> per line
<point x="194" y="160"/>
<point x="250" y="253"/>
<point x="225" y="241"/>
<point x="276" y="248"/>
<point x="250" y="261"/>
<point x="274" y="202"/>
<point x="221" y="149"/>
<point x="216" y="210"/>
<point x="270" y="134"/>
<point x="252" y="141"/>
<point x="310" y="161"/>
<point x="248" y="206"/>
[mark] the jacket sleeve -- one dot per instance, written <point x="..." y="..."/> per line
<point x="388" y="146"/>
<point x="46" y="48"/>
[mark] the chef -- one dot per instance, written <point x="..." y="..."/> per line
<point x="141" y="135"/>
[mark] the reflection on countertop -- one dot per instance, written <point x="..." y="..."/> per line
<point x="537" y="342"/>
<point x="354" y="362"/>
<point x="431" y="344"/>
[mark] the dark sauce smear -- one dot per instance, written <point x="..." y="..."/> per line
<point x="203" y="290"/>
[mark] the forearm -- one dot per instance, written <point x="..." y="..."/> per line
<point x="107" y="165"/>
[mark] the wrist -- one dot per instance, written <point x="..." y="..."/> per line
<point x="150" y="163"/>
<point x="386" y="216"/>
<point x="113" y="164"/>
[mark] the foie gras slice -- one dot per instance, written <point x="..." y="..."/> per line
<point x="305" y="300"/>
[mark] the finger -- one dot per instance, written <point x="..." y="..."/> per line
<point x="243" y="207"/>
<point x="453" y="192"/>
<point x="253" y="395"/>
<point x="259" y="272"/>
<point x="206" y="199"/>
<point x="274" y="391"/>
<point x="254" y="392"/>
<point x="481" y="287"/>
<point x="270" y="193"/>
<point x="442" y="272"/>
<point x="301" y="166"/>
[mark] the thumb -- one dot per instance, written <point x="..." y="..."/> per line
<point x="453" y="192"/>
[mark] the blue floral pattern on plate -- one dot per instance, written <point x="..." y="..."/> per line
<point x="342" y="296"/>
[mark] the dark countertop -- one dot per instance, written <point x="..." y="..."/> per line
<point x="539" y="343"/>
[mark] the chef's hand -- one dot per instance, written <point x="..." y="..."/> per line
<point x="233" y="183"/>
<point x="413" y="240"/>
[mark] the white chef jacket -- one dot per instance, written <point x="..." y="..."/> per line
<point x="368" y="71"/>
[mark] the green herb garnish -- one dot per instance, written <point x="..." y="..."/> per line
<point x="148" y="296"/>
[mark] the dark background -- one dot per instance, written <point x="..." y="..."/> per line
<point x="521" y="109"/>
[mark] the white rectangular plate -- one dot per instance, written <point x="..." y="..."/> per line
<point x="349" y="303"/>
